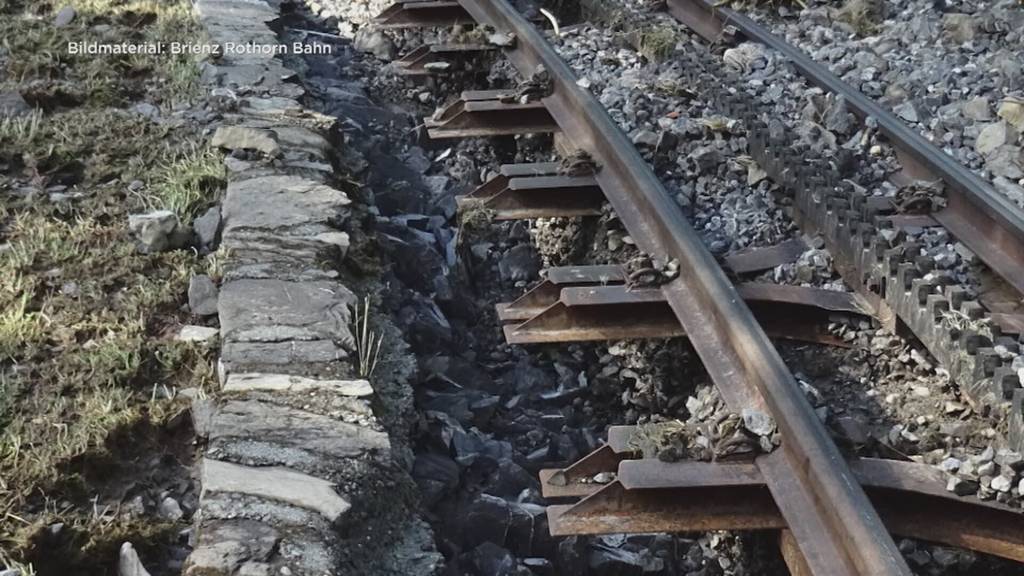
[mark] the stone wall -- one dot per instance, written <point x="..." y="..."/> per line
<point x="298" y="476"/>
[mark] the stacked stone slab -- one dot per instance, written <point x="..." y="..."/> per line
<point x="294" y="458"/>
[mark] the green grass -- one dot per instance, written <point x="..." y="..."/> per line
<point x="188" y="184"/>
<point x="85" y="319"/>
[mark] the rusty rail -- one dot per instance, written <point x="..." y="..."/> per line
<point x="833" y="522"/>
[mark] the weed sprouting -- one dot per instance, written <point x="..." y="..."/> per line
<point x="188" y="183"/>
<point x="658" y="43"/>
<point x="368" y="343"/>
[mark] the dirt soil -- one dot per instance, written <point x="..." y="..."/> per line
<point x="92" y="439"/>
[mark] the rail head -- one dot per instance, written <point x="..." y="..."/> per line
<point x="838" y="529"/>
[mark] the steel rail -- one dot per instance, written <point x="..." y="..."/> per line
<point x="836" y="527"/>
<point x="985" y="221"/>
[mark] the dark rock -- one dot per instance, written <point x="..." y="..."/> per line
<point x="202" y="296"/>
<point x="414" y="255"/>
<point x="487" y="520"/>
<point x="852" y="430"/>
<point x="839" y="119"/>
<point x="607" y="561"/>
<point x="509" y="479"/>
<point x="206" y="228"/>
<point x="428" y="328"/>
<point x="528" y="520"/>
<point x="489" y="559"/>
<point x="519" y="263"/>
<point x="417" y="160"/>
<point x="471" y="446"/>
<point x="436" y="475"/>
<point x="526" y="377"/>
<point x="705" y="158"/>
<point x="572" y="556"/>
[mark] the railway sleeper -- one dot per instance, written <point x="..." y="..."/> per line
<point x="484" y="113"/>
<point x="438" y="59"/>
<point x="587" y="303"/>
<point x="538" y="190"/>
<point x="845" y="537"/>
<point x="422" y="13"/>
<point x="622" y="492"/>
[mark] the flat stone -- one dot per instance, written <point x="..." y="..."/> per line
<point x="264" y="423"/>
<point x="260" y="255"/>
<point x="225" y="546"/>
<point x="1006" y="161"/>
<point x="203" y="410"/>
<point x="304" y="139"/>
<point x="266" y="77"/>
<point x="280" y="202"/>
<point x="246" y="138"/>
<point x="12" y="105"/>
<point x="128" y="563"/>
<point x="978" y="109"/>
<point x="155" y="231"/>
<point x="65" y="16"/>
<point x="237" y="355"/>
<point x="202" y="295"/>
<point x="287" y="383"/>
<point x="994" y="136"/>
<point x="275" y="310"/>
<point x="1012" y="110"/>
<point x="210" y="11"/>
<point x="907" y="111"/>
<point x="274" y="483"/>
<point x="271" y="106"/>
<point x="191" y="333"/>
<point x="645" y="138"/>
<point x="757" y="422"/>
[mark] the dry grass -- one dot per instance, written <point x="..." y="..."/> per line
<point x="658" y="43"/>
<point x="862" y="15"/>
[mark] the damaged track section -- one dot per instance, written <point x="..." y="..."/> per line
<point x="298" y="475"/>
<point x="834" y="526"/>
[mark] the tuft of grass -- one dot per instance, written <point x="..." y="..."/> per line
<point x="84" y="317"/>
<point x="188" y="184"/>
<point x="368" y="343"/>
<point x="862" y="15"/>
<point x="474" y="216"/>
<point x="658" y="43"/>
<point x="19" y="132"/>
<point x="608" y="13"/>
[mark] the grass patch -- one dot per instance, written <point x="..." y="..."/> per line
<point x="86" y="354"/>
<point x="658" y="43"/>
<point x="51" y="77"/>
<point x="862" y="15"/>
<point x="190" y="183"/>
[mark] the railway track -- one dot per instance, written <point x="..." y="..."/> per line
<point x="834" y="515"/>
